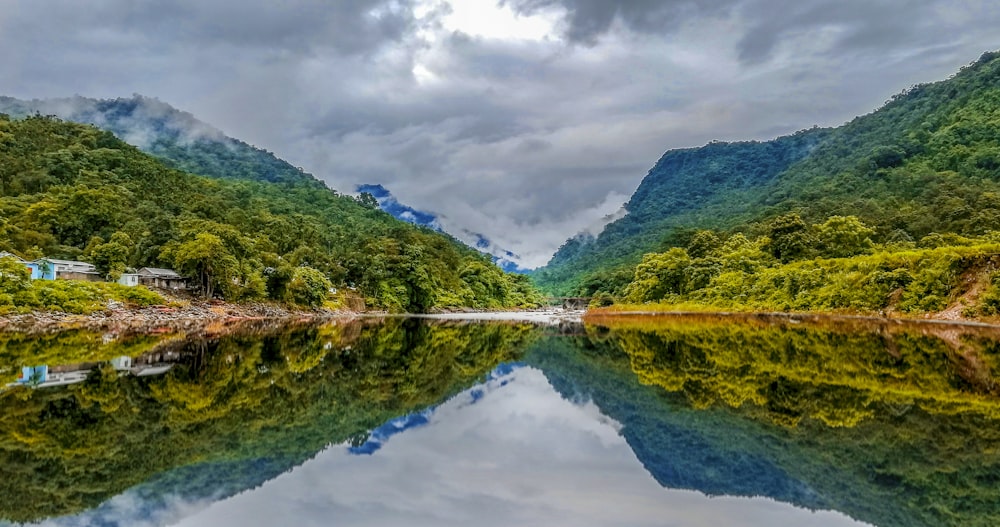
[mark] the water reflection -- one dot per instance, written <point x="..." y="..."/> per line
<point x="406" y="421"/>
<point x="233" y="412"/>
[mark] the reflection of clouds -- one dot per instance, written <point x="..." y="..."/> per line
<point x="521" y="455"/>
<point x="131" y="510"/>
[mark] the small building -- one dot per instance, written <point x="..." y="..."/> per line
<point x="53" y="269"/>
<point x="161" y="278"/>
<point x="129" y="279"/>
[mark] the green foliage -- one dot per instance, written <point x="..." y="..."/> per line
<point x="74" y="296"/>
<point x="928" y="161"/>
<point x="741" y="276"/>
<point x="308" y="287"/>
<point x="111" y="259"/>
<point x="66" y="188"/>
<point x="790" y="239"/>
<point x="14" y="276"/>
<point x="843" y="236"/>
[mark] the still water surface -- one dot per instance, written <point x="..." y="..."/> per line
<point x="621" y="422"/>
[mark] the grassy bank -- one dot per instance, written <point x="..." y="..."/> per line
<point x="954" y="281"/>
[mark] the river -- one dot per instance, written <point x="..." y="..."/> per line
<point x="618" y="421"/>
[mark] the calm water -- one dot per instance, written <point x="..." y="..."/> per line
<point x="629" y="422"/>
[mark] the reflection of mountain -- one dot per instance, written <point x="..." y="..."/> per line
<point x="233" y="413"/>
<point x="663" y="433"/>
<point x="507" y="260"/>
<point x="898" y="466"/>
<point x="379" y="436"/>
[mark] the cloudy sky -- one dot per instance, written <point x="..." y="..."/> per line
<point x="525" y="120"/>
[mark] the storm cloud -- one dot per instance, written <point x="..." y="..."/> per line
<point x="524" y="120"/>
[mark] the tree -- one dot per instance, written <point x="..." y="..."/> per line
<point x="368" y="201"/>
<point x="111" y="258"/>
<point x="843" y="236"/>
<point x="659" y="275"/>
<point x="308" y="287"/>
<point x="790" y="238"/>
<point x="205" y="258"/>
<point x="14" y="276"/>
<point x="702" y="244"/>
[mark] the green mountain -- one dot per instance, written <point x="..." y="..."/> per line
<point x="928" y="161"/>
<point x="74" y="191"/>
<point x="178" y="138"/>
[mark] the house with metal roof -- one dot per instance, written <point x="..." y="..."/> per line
<point x="161" y="278"/>
<point x="53" y="269"/>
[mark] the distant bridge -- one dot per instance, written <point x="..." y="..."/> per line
<point x="569" y="302"/>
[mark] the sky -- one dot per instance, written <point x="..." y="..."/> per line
<point x="525" y="120"/>
<point x="516" y="453"/>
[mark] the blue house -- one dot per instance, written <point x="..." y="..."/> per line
<point x="42" y="269"/>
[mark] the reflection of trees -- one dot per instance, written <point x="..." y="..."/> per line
<point x="893" y="463"/>
<point x="789" y="372"/>
<point x="278" y="395"/>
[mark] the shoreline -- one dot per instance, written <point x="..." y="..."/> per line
<point x="798" y="317"/>
<point x="158" y="318"/>
<point x="196" y="315"/>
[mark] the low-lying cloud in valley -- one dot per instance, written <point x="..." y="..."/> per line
<point x="524" y="120"/>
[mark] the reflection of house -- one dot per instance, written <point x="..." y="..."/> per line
<point x="161" y="278"/>
<point x="68" y="270"/>
<point x="44" y="376"/>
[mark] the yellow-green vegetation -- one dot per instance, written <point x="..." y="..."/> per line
<point x="68" y="347"/>
<point x="279" y="396"/>
<point x="19" y="294"/>
<point x="831" y="266"/>
<point x="73" y="191"/>
<point x="892" y="424"/>
<point x="838" y="376"/>
<point x="926" y="162"/>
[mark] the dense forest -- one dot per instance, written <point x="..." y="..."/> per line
<point x="74" y="191"/>
<point x="922" y="172"/>
<point x="177" y="138"/>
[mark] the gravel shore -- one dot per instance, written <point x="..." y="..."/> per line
<point x="119" y="317"/>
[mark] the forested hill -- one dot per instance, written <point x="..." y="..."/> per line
<point x="928" y="161"/>
<point x="176" y="137"/>
<point x="74" y="191"/>
<point x="679" y="185"/>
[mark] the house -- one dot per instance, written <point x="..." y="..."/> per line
<point x="53" y="269"/>
<point x="161" y="278"/>
<point x="129" y="279"/>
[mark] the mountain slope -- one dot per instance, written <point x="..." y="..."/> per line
<point x="177" y="137"/>
<point x="507" y="260"/>
<point x="680" y="184"/>
<point x="927" y="161"/>
<point x="70" y="190"/>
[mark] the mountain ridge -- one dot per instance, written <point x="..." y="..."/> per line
<point x="926" y="161"/>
